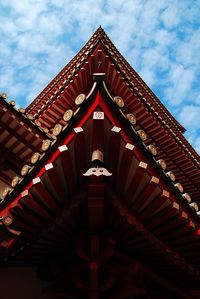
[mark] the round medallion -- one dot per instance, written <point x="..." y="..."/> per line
<point x="3" y="95"/>
<point x="22" y="110"/>
<point x="118" y="100"/>
<point x="152" y="149"/>
<point x="131" y="117"/>
<point x="142" y="135"/>
<point x="194" y="206"/>
<point x="7" y="220"/>
<point x="46" y="144"/>
<point x="15" y="181"/>
<point x="187" y="197"/>
<point x="6" y="191"/>
<point x="35" y="157"/>
<point x="12" y="103"/>
<point x="80" y="99"/>
<point x="24" y="170"/>
<point x="30" y="116"/>
<point x="179" y="187"/>
<point x="171" y="175"/>
<point x="68" y="115"/>
<point x="162" y="164"/>
<point x="57" y="129"/>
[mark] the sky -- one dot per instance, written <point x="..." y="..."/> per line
<point x="160" y="39"/>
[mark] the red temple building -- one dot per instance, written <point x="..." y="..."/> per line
<point x="99" y="188"/>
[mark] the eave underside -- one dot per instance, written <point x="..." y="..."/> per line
<point x="104" y="223"/>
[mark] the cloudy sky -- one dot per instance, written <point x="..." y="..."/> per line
<point x="160" y="39"/>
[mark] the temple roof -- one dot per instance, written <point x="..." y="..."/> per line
<point x="100" y="55"/>
<point x="139" y="201"/>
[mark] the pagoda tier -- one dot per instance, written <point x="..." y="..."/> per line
<point x="100" y="55"/>
<point x="19" y="139"/>
<point x="103" y="208"/>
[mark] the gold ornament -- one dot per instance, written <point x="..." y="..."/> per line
<point x="80" y="99"/>
<point x="119" y="101"/>
<point x="68" y="115"/>
<point x="24" y="170"/>
<point x="187" y="197"/>
<point x="142" y="135"/>
<point x="46" y="144"/>
<point x="152" y="149"/>
<point x="162" y="164"/>
<point x="131" y="117"/>
<point x="171" y="175"/>
<point x="179" y="187"/>
<point x="35" y="157"/>
<point x="6" y="191"/>
<point x="15" y="181"/>
<point x="7" y="220"/>
<point x="57" y="129"/>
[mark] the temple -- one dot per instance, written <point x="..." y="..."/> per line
<point x="99" y="188"/>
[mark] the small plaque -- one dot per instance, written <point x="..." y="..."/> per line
<point x="78" y="130"/>
<point x="129" y="146"/>
<point x="36" y="180"/>
<point x="48" y="166"/>
<point x="63" y="148"/>
<point x="116" y="129"/>
<point x="98" y="115"/>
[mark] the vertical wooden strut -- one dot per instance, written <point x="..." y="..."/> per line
<point x="94" y="268"/>
<point x="95" y="223"/>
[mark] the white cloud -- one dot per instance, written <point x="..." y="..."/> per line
<point x="160" y="39"/>
<point x="190" y="116"/>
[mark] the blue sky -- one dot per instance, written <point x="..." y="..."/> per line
<point x="160" y="40"/>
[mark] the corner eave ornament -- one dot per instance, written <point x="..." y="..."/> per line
<point x="97" y="163"/>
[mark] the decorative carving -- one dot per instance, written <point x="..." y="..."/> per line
<point x="35" y="157"/>
<point x="97" y="171"/>
<point x="68" y="115"/>
<point x="142" y="135"/>
<point x="131" y="117"/>
<point x="171" y="176"/>
<point x="15" y="181"/>
<point x="46" y="144"/>
<point x="162" y="164"/>
<point x="119" y="101"/>
<point x="57" y="129"/>
<point x="80" y="99"/>
<point x="25" y="170"/>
